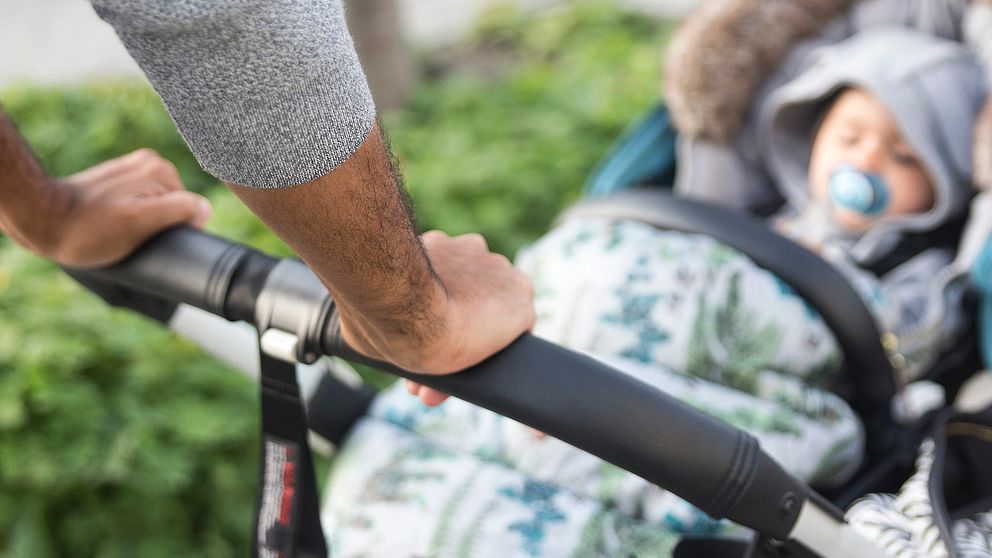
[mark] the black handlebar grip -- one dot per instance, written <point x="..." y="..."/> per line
<point x="193" y="267"/>
<point x="633" y="425"/>
<point x="154" y="307"/>
<point x="713" y="465"/>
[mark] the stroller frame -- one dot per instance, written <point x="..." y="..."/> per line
<point x="188" y="272"/>
<point x="187" y="278"/>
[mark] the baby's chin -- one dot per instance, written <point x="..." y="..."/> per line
<point x="851" y="220"/>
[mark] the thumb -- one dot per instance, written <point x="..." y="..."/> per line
<point x="431" y="397"/>
<point x="170" y="209"/>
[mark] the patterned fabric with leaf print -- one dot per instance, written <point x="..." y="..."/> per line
<point x="681" y="312"/>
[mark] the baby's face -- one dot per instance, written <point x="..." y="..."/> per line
<point x="859" y="131"/>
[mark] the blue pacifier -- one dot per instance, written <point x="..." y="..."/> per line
<point x="862" y="192"/>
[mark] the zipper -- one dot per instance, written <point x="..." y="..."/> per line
<point x="969" y="429"/>
<point x="897" y="345"/>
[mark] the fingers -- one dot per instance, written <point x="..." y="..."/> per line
<point x="145" y="165"/>
<point x="413" y="387"/>
<point x="112" y="168"/>
<point x="143" y="170"/>
<point x="118" y="204"/>
<point x="428" y="396"/>
<point x="162" y="171"/>
<point x="489" y="303"/>
<point x="154" y="213"/>
<point x="486" y="304"/>
<point x="469" y="241"/>
<point x="432" y="236"/>
<point x="474" y="240"/>
<point x="432" y="397"/>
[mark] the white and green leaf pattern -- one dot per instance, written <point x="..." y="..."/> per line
<point x="680" y="312"/>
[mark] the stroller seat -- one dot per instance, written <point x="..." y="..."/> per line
<point x="532" y="495"/>
<point x="869" y="382"/>
<point x="627" y="184"/>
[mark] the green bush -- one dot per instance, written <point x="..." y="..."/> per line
<point x="507" y="138"/>
<point x="117" y="439"/>
<point x="71" y="129"/>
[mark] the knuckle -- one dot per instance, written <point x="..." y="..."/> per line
<point x="130" y="212"/>
<point x="433" y="236"/>
<point x="528" y="286"/>
<point x="152" y="160"/>
<point x="155" y="163"/>
<point x="474" y="238"/>
<point x="507" y="263"/>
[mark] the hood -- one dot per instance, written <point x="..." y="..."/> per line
<point x="934" y="89"/>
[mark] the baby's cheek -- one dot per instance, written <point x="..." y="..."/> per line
<point x="911" y="192"/>
<point x="819" y="175"/>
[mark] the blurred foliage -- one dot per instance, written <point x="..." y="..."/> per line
<point x="116" y="438"/>
<point x="71" y="129"/>
<point x="502" y="150"/>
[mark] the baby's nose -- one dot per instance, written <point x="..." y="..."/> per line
<point x="869" y="155"/>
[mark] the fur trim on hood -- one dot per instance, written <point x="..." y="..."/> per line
<point x="727" y="50"/>
<point x="716" y="62"/>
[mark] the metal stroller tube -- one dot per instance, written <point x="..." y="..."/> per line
<point x="573" y="397"/>
<point x="188" y="266"/>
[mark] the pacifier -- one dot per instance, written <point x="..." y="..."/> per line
<point x="862" y="192"/>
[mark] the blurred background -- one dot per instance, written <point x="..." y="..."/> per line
<point x="118" y="439"/>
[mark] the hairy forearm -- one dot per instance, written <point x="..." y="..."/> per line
<point x="354" y="229"/>
<point x="25" y="190"/>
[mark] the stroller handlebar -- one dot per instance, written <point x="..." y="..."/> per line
<point x="184" y="265"/>
<point x="573" y="397"/>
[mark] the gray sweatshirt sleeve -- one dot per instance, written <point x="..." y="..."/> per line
<point x="266" y="93"/>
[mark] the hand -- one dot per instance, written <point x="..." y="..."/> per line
<point x="487" y="303"/>
<point x="100" y="215"/>
<point x="433" y="305"/>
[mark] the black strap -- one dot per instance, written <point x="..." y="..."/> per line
<point x="287" y="511"/>
<point x="711" y="547"/>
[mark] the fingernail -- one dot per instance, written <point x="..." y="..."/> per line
<point x="203" y="212"/>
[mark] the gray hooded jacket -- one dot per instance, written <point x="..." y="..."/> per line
<point x="934" y="93"/>
<point x="934" y="89"/>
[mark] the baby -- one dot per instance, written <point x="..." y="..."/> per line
<point x="890" y="112"/>
<point x="861" y="170"/>
<point x="868" y="141"/>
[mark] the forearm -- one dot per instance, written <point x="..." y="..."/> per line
<point x="269" y="95"/>
<point x="354" y="229"/>
<point x="25" y="190"/>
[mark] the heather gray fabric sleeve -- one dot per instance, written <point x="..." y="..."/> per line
<point x="267" y="93"/>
